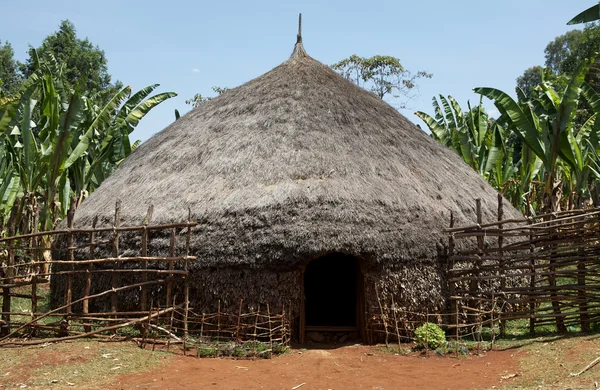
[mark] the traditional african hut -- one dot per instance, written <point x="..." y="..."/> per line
<point x="309" y="191"/>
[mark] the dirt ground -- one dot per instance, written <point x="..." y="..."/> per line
<point x="348" y="367"/>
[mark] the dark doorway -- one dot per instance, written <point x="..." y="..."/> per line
<point x="330" y="291"/>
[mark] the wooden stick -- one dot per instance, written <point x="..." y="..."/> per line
<point x="270" y="332"/>
<point x="99" y="230"/>
<point x="6" y="302"/>
<point x="87" y="334"/>
<point x="120" y="259"/>
<point x="396" y="322"/>
<point x="171" y="266"/>
<point x="187" y="278"/>
<point x="592" y="364"/>
<point x="383" y="318"/>
<point x="237" y="332"/>
<point x="70" y="256"/>
<point x="144" y="253"/>
<point x="115" y="279"/>
<point x="88" y="278"/>
<point x="57" y="310"/>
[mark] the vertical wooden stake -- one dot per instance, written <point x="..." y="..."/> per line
<point x="383" y="318"/>
<point x="532" y="271"/>
<point x="256" y="328"/>
<point x="396" y="322"/>
<point x="474" y="285"/>
<point x="270" y="332"/>
<point x="187" y="276"/>
<point x="6" y="307"/>
<point x="492" y="320"/>
<point x="502" y="261"/>
<point x="88" y="279"/>
<point x="202" y="326"/>
<point x="456" y="329"/>
<point x="218" y="326"/>
<point x="115" y="280"/>
<point x="171" y="328"/>
<point x="427" y="332"/>
<point x="71" y="256"/>
<point x="237" y="332"/>
<point x="32" y="253"/>
<point x="283" y="327"/>
<point x="450" y="273"/>
<point x="144" y="297"/>
<point x="554" y="297"/>
<point x="36" y="257"/>
<point x="171" y="266"/>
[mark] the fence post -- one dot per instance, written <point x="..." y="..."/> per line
<point x="88" y="276"/>
<point x="144" y="252"/>
<point x="171" y="267"/>
<point x="6" y="307"/>
<point x="474" y="285"/>
<point x="532" y="270"/>
<point x="187" y="275"/>
<point x="502" y="261"/>
<point x="70" y="257"/>
<point x="560" y="324"/>
<point x="450" y="272"/>
<point x="583" y="298"/>
<point x="114" y="281"/>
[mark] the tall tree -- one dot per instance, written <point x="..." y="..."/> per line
<point x="9" y="71"/>
<point x="564" y="55"/>
<point x="85" y="65"/>
<point x="385" y="76"/>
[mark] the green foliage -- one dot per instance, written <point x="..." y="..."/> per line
<point x="244" y="350"/>
<point x="85" y="66"/>
<point x="10" y="78"/>
<point x="430" y="335"/>
<point x="59" y="144"/>
<point x="478" y="140"/>
<point x="545" y="124"/>
<point x="589" y="15"/>
<point x="382" y="75"/>
<point x="198" y="99"/>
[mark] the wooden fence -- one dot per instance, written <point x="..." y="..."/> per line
<point x="88" y="290"/>
<point x="543" y="268"/>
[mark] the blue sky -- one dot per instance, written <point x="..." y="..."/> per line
<point x="189" y="46"/>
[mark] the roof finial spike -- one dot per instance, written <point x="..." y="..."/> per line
<point x="299" y="39"/>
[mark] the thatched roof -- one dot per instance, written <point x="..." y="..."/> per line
<point x="294" y="164"/>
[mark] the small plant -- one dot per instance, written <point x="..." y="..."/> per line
<point x="430" y="335"/>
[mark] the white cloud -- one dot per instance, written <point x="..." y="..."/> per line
<point x="196" y="70"/>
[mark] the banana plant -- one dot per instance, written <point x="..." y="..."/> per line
<point x="589" y="15"/>
<point x="108" y="143"/>
<point x="545" y="132"/>
<point x="473" y="136"/>
<point x="56" y="144"/>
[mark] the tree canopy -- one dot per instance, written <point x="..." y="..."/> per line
<point x="9" y="70"/>
<point x="382" y="75"/>
<point x="86" y="67"/>
<point x="564" y="55"/>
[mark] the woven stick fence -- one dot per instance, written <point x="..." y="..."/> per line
<point x="543" y="268"/>
<point x="90" y="307"/>
<point x="395" y="325"/>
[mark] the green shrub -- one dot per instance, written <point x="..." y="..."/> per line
<point x="430" y="334"/>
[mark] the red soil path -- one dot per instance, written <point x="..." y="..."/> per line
<point x="350" y="367"/>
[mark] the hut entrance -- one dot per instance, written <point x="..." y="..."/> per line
<point x="333" y="295"/>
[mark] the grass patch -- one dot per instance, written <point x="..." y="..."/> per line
<point x="74" y="364"/>
<point x="547" y="362"/>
